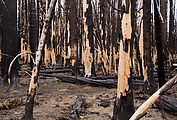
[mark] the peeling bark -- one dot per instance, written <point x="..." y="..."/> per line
<point x="123" y="108"/>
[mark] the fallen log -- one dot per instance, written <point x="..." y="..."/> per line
<point x="77" y="108"/>
<point x="56" y="71"/>
<point x="137" y="84"/>
<point x="168" y="103"/>
<point x="154" y="98"/>
<point x="83" y="80"/>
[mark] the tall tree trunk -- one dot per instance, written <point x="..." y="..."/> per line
<point x="33" y="29"/>
<point x="88" y="37"/>
<point x="123" y="107"/>
<point x="163" y="10"/>
<point x="148" y="71"/>
<point x="159" y="46"/>
<point x="171" y="33"/>
<point x="73" y="29"/>
<point x="9" y="40"/>
<point x="1" y="9"/>
<point x="33" y="83"/>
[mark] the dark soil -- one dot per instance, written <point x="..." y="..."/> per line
<point x="54" y="100"/>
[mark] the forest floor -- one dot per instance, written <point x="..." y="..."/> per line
<point x="55" y="98"/>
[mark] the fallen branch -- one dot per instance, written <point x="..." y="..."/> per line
<point x="56" y="71"/>
<point x="77" y="108"/>
<point x="154" y="98"/>
<point x="10" y="66"/>
<point x="9" y="104"/>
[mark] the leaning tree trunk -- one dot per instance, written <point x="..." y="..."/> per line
<point x="9" y="40"/>
<point x="33" y="84"/>
<point x="124" y="108"/>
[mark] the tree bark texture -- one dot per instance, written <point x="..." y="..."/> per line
<point x="159" y="46"/>
<point x="148" y="66"/>
<point x="9" y="40"/>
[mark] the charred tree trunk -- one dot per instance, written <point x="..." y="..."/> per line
<point x="148" y="66"/>
<point x="160" y="55"/>
<point x="163" y="9"/>
<point x="88" y="38"/>
<point x="1" y="9"/>
<point x="123" y="107"/>
<point x="33" y="30"/>
<point x="33" y="84"/>
<point x="90" y="35"/>
<point x="73" y="29"/>
<point x="9" y="40"/>
<point x="171" y="33"/>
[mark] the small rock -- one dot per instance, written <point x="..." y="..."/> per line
<point x="57" y="105"/>
<point x="105" y="103"/>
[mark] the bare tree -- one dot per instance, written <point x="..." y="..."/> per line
<point x="33" y="84"/>
<point x="124" y="108"/>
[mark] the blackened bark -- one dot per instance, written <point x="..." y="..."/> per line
<point x="163" y="9"/>
<point x="171" y="31"/>
<point x="1" y="10"/>
<point x="136" y="36"/>
<point x="160" y="55"/>
<point x="89" y="22"/>
<point x="149" y="83"/>
<point x="73" y="30"/>
<point x="123" y="108"/>
<point x="9" y="40"/>
<point x="33" y="31"/>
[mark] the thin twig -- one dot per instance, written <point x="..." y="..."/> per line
<point x="6" y="55"/>
<point x="158" y="9"/>
<point x="113" y="6"/>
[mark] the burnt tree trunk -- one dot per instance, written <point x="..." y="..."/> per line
<point x="9" y="40"/>
<point x="1" y="8"/>
<point x="73" y="30"/>
<point x="163" y="9"/>
<point x="123" y="107"/>
<point x="160" y="55"/>
<point x="148" y="66"/>
<point x="89" y="22"/>
<point x="28" y="115"/>
<point x="171" y="42"/>
<point x="33" y="30"/>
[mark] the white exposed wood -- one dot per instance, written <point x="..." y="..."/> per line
<point x="148" y="103"/>
<point x="124" y="56"/>
<point x="33" y="83"/>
